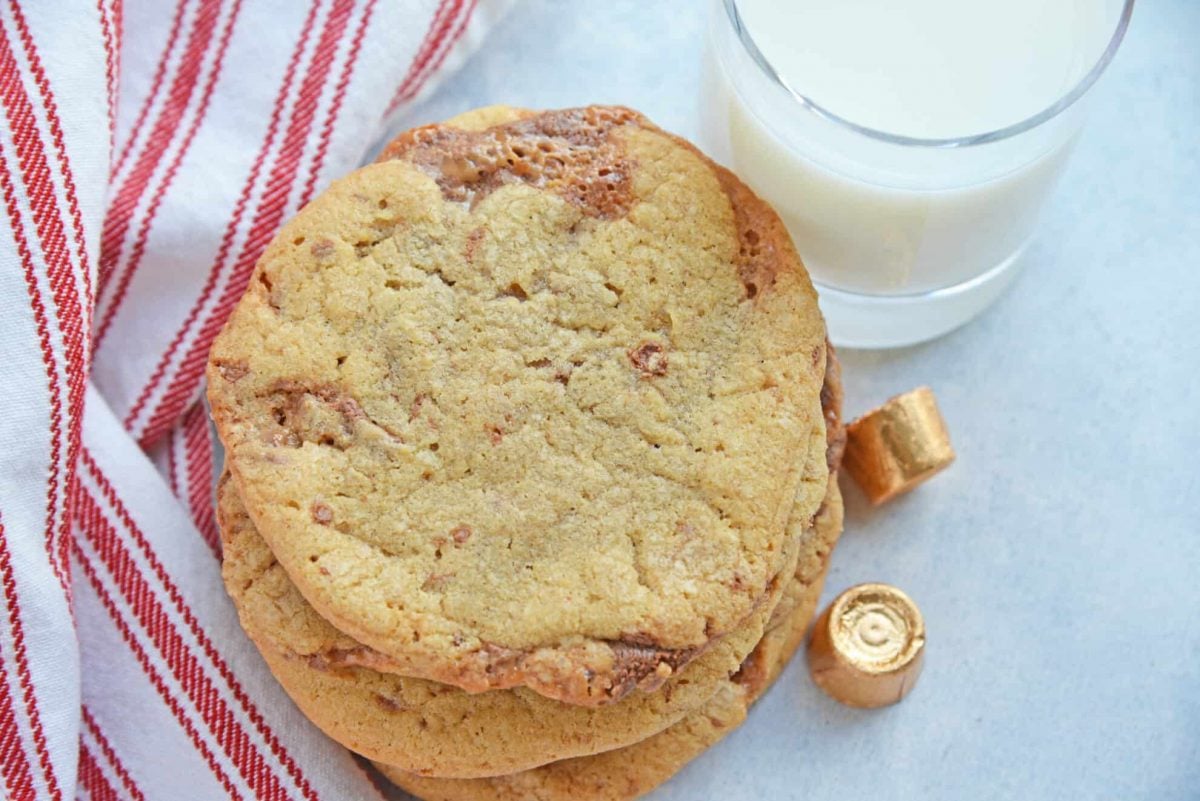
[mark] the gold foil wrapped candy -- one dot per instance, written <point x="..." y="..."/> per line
<point x="868" y="646"/>
<point x="895" y="447"/>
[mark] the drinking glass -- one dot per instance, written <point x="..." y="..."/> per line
<point x="906" y="238"/>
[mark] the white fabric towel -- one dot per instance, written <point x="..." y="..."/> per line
<point x="148" y="152"/>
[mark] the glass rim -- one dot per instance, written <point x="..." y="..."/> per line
<point x="1053" y="110"/>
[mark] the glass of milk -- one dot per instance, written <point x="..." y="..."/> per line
<point x="907" y="144"/>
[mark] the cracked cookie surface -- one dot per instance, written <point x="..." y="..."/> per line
<point x="522" y="405"/>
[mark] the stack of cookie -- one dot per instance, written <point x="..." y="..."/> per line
<point x="531" y="429"/>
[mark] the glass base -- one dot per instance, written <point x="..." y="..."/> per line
<point x="894" y="321"/>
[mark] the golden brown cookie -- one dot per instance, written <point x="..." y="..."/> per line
<point x="528" y="405"/>
<point x="630" y="772"/>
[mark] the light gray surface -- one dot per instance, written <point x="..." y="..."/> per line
<point x="1058" y="562"/>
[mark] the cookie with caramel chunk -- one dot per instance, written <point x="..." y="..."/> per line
<point x="528" y="402"/>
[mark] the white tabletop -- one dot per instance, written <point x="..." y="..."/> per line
<point x="1058" y="561"/>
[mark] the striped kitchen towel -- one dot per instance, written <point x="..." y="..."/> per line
<point x="149" y="149"/>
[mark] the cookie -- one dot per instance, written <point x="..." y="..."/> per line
<point x="630" y="772"/>
<point x="526" y="405"/>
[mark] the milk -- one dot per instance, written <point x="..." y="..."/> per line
<point x="883" y="223"/>
<point x="930" y="68"/>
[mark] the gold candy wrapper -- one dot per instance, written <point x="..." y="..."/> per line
<point x="868" y="646"/>
<point x="895" y="447"/>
